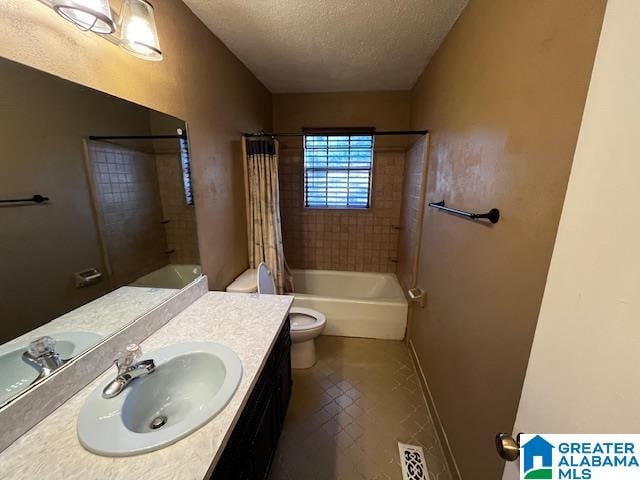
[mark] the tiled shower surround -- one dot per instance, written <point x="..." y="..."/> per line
<point x="127" y="198"/>
<point x="182" y="238"/>
<point x="412" y="213"/>
<point x="352" y="240"/>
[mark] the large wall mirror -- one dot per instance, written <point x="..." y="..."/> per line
<point x="97" y="222"/>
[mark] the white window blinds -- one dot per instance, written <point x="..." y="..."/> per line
<point x="337" y="171"/>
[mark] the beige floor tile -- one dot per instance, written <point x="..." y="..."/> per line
<point x="348" y="412"/>
<point x="343" y="400"/>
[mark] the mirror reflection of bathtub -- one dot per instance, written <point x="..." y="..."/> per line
<point x="169" y="276"/>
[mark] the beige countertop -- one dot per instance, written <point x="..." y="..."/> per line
<point x="103" y="316"/>
<point x="246" y="323"/>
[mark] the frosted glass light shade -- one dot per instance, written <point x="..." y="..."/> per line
<point x="138" y="30"/>
<point x="94" y="15"/>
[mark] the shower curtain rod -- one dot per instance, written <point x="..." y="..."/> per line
<point x="137" y="137"/>
<point x="339" y="132"/>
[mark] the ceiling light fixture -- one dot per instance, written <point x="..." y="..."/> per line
<point x="93" y="15"/>
<point x="138" y="33"/>
<point x="134" y="29"/>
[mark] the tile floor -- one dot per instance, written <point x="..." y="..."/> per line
<point x="349" y="411"/>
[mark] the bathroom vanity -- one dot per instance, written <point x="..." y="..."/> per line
<point x="238" y="443"/>
<point x="250" y="449"/>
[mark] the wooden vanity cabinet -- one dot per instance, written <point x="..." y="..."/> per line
<point x="252" y="444"/>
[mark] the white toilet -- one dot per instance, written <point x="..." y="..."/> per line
<point x="306" y="324"/>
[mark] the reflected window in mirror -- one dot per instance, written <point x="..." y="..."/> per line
<point x="185" y="162"/>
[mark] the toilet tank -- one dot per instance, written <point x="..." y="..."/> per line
<point x="247" y="282"/>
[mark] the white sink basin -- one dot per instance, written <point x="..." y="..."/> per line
<point x="191" y="384"/>
<point x="16" y="374"/>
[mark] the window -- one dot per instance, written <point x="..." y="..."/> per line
<point x="337" y="171"/>
<point x="185" y="163"/>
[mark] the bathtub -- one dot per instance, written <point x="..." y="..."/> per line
<point x="170" y="276"/>
<point x="369" y="305"/>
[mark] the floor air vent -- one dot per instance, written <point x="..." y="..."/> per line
<point x="412" y="460"/>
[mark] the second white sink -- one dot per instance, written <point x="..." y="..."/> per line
<point x="191" y="384"/>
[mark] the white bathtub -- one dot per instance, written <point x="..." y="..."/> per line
<point x="170" y="276"/>
<point x="369" y="305"/>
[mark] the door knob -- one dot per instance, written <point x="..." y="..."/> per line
<point x="508" y="447"/>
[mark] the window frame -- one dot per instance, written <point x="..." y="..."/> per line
<point x="186" y="172"/>
<point x="338" y="132"/>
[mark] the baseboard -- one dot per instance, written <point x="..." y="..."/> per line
<point x="442" y="435"/>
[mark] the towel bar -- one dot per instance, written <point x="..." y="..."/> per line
<point x="492" y="215"/>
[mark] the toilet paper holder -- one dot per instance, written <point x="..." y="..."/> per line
<point x="87" y="277"/>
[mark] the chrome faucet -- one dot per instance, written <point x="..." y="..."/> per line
<point x="128" y="370"/>
<point x="42" y="356"/>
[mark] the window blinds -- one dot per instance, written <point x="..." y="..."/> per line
<point x="337" y="171"/>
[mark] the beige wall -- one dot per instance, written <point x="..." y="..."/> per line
<point x="382" y="110"/>
<point x="582" y="375"/>
<point x="199" y="81"/>
<point x="503" y="98"/>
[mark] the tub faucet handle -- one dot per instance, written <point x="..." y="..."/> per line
<point x="417" y="295"/>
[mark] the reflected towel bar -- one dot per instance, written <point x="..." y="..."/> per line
<point x="492" y="215"/>
<point x="35" y="199"/>
<point x="181" y="134"/>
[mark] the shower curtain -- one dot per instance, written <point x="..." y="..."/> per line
<point x="263" y="210"/>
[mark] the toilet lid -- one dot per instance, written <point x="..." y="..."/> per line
<point x="265" y="281"/>
<point x="305" y="318"/>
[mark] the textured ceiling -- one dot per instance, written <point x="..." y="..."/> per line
<point x="331" y="45"/>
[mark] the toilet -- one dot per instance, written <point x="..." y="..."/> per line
<point x="306" y="324"/>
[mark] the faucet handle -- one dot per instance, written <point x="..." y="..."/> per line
<point x="131" y="354"/>
<point x="43" y="346"/>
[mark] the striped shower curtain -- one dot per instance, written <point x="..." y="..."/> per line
<point x="263" y="210"/>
